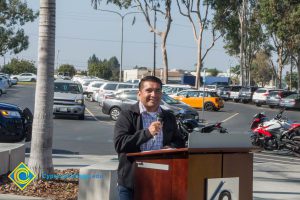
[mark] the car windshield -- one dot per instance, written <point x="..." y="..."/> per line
<point x="245" y="90"/>
<point x="67" y="88"/>
<point x="169" y="100"/>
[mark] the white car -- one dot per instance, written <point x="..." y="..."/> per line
<point x="25" y="77"/>
<point x="260" y="95"/>
<point x="92" y="89"/>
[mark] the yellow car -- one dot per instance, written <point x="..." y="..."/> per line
<point x="194" y="98"/>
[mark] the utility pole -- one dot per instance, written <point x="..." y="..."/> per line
<point x="57" y="60"/>
<point x="154" y="43"/>
<point x="122" y="32"/>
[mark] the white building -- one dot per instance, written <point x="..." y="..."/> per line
<point x="174" y="75"/>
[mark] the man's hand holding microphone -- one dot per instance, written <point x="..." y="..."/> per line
<point x="156" y="126"/>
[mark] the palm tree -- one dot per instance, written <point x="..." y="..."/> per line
<point x="40" y="160"/>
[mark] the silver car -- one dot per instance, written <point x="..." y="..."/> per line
<point x="68" y="99"/>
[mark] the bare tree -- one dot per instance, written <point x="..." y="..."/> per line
<point x="199" y="21"/>
<point x="40" y="160"/>
<point x="148" y="6"/>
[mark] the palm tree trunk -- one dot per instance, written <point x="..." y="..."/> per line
<point x="40" y="160"/>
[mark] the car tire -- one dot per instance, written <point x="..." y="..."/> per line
<point x="1" y="92"/>
<point x="81" y="117"/>
<point x="270" y="106"/>
<point x="258" y="105"/>
<point x="32" y="80"/>
<point x="209" y="106"/>
<point x="114" y="113"/>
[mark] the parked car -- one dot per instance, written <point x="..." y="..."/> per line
<point x="291" y="101"/>
<point x="224" y="92"/>
<point x="108" y="88"/>
<point x="194" y="98"/>
<point x="246" y="93"/>
<point x="92" y="89"/>
<point x="124" y="99"/>
<point x="260" y="95"/>
<point x="173" y="89"/>
<point x="274" y="97"/>
<point x="68" y="99"/>
<point x="25" y="77"/>
<point x="234" y="93"/>
<point x="15" y="123"/>
<point x="3" y="86"/>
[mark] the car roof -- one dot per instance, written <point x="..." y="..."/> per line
<point x="64" y="81"/>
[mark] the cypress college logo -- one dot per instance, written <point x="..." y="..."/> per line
<point x="22" y="176"/>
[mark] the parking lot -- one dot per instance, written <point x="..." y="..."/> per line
<point x="94" y="134"/>
<point x="274" y="172"/>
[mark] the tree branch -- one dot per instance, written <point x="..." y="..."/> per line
<point x="212" y="44"/>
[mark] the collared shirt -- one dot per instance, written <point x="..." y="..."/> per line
<point x="156" y="142"/>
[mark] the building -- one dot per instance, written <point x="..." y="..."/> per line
<point x="174" y="75"/>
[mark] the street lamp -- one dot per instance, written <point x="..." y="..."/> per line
<point x="122" y="19"/>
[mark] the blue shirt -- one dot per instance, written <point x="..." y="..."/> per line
<point x="156" y="142"/>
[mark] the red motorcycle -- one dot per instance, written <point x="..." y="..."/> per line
<point x="275" y="134"/>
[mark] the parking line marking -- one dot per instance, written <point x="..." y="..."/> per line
<point x="97" y="118"/>
<point x="230" y="117"/>
<point x="92" y="114"/>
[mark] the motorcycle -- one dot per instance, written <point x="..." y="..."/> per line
<point x="275" y="134"/>
<point x="187" y="126"/>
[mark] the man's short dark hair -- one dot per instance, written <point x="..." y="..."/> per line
<point x="150" y="78"/>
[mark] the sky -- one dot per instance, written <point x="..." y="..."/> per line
<point x="82" y="31"/>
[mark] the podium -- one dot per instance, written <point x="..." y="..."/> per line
<point x="179" y="174"/>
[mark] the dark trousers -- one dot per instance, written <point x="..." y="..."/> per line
<point x="125" y="193"/>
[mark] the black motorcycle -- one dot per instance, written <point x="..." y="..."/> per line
<point x="187" y="126"/>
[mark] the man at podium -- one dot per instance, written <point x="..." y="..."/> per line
<point x="145" y="126"/>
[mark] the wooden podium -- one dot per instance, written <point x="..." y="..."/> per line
<point x="179" y="174"/>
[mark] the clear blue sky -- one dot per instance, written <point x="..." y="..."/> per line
<point x="82" y="31"/>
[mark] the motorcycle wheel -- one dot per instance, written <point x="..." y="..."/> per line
<point x="296" y="145"/>
<point x="254" y="140"/>
<point x="270" y="144"/>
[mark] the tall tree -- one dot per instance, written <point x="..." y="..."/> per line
<point x="213" y="71"/>
<point x="114" y="65"/>
<point x="243" y="35"/>
<point x="198" y="15"/>
<point x="276" y="17"/>
<point x="67" y="68"/>
<point x="40" y="160"/>
<point x="14" y="14"/>
<point x="261" y="68"/>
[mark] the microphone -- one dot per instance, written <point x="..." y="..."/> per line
<point x="160" y="117"/>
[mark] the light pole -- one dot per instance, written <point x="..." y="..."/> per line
<point x="122" y="25"/>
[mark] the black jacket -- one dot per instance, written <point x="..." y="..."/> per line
<point x="129" y="135"/>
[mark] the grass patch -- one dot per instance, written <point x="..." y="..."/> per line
<point x="26" y="83"/>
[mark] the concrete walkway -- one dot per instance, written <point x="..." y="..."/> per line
<point x="272" y="181"/>
<point x="16" y="197"/>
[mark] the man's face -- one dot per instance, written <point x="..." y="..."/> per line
<point x="150" y="95"/>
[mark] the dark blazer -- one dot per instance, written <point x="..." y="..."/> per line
<point x="129" y="135"/>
